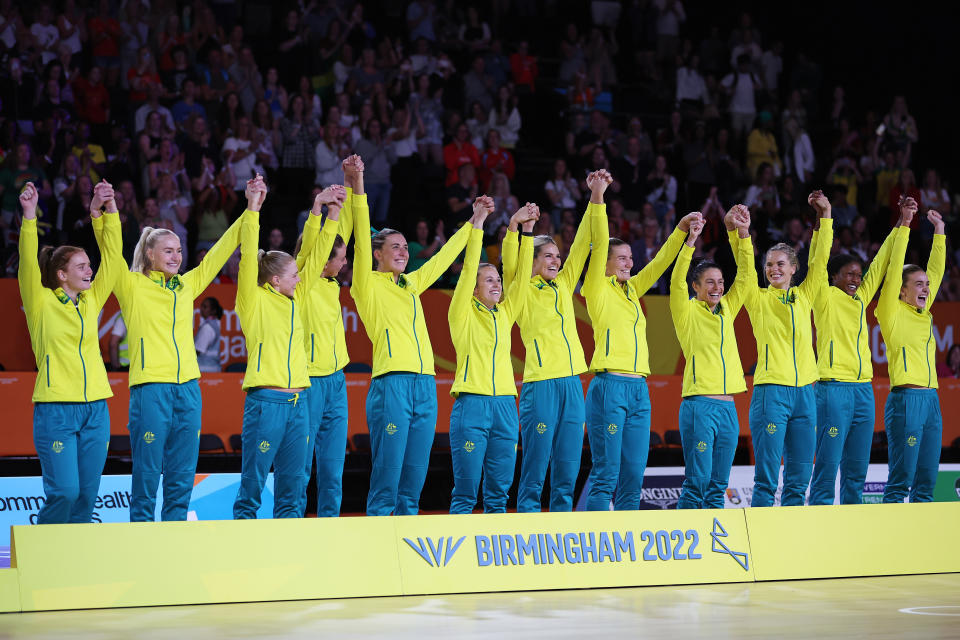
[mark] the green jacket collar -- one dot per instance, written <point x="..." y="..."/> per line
<point x="715" y="311"/>
<point x="400" y="282"/>
<point x="483" y="307"/>
<point x="64" y="298"/>
<point x="174" y="283"/>
<point x="539" y="282"/>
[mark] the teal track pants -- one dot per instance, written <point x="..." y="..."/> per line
<point x="914" y="432"/>
<point x="618" y="427"/>
<point x="165" y="438"/>
<point x="709" y="431"/>
<point x="845" y="420"/>
<point x="402" y="419"/>
<point x="783" y="422"/>
<point x="71" y="440"/>
<point x="551" y="429"/>
<point x="327" y="401"/>
<point x="483" y="441"/>
<point x="275" y="425"/>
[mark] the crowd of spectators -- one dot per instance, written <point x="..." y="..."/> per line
<point x="178" y="103"/>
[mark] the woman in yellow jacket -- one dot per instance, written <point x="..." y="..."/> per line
<point x="618" y="403"/>
<point x="846" y="412"/>
<point x="326" y="347"/>
<point x="783" y="414"/>
<point x="912" y="415"/>
<point x="712" y="374"/>
<point x="551" y="400"/>
<point x="270" y="289"/>
<point x="165" y="403"/>
<point x="402" y="401"/>
<point x="483" y="423"/>
<point x="62" y="301"/>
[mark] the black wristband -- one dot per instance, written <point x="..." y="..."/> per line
<point x="528" y="234"/>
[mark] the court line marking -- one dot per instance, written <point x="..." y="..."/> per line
<point x="917" y="610"/>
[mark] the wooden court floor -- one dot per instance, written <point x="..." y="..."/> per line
<point x="875" y="608"/>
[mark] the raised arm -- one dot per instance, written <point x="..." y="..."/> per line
<point x="362" y="250"/>
<point x="878" y="267"/>
<point x="333" y="196"/>
<point x="655" y="268"/>
<point x="433" y="268"/>
<point x="250" y="246"/>
<point x="466" y="283"/>
<point x="28" y="275"/>
<point x="200" y="277"/>
<point x="509" y="253"/>
<point x="816" y="281"/>
<point x="679" y="294"/>
<point x="599" y="232"/>
<point x="742" y="247"/>
<point x="598" y="182"/>
<point x="938" y="255"/>
<point x="893" y="281"/>
<point x="106" y="229"/>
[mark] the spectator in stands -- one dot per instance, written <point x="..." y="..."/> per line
<point x="460" y="151"/>
<point x="247" y="78"/>
<point x="275" y="94"/>
<point x="168" y="162"/>
<point x="950" y="367"/>
<point x="563" y="191"/>
<point x="230" y="110"/>
<point x="900" y="129"/>
<point x="460" y="196"/>
<point x="523" y="68"/>
<point x="105" y="34"/>
<point x="422" y="248"/>
<point x="662" y="191"/>
<point x="379" y="156"/>
<point x="420" y="20"/>
<point x="799" y="153"/>
<point x="505" y="117"/>
<point x="207" y="340"/>
<point x="174" y="208"/>
<point x="479" y="124"/>
<point x="762" y="147"/>
<point x="299" y="140"/>
<point x="504" y="202"/>
<point x="763" y="188"/>
<point x="692" y="92"/>
<point x="906" y="187"/>
<point x="934" y="195"/>
<point x="328" y="154"/>
<point x="598" y="52"/>
<point x="670" y="15"/>
<point x="495" y="159"/>
<point x="243" y="154"/>
<point x="741" y="86"/>
<point x="187" y="107"/>
<point x="474" y="33"/>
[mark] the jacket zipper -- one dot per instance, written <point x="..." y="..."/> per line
<point x="415" y="336"/>
<point x="83" y="364"/>
<point x="142" y="356"/>
<point x="48" y="370"/>
<point x="926" y="348"/>
<point x="556" y="306"/>
<point x="496" y="341"/>
<point x="793" y="346"/>
<point x="173" y="334"/>
<point x="723" y="363"/>
<point x="311" y="348"/>
<point x="259" y="355"/>
<point x="636" y="320"/>
<point x="694" y="369"/>
<point x="831" y="354"/>
<point x="537" y="348"/>
<point x="608" y="343"/>
<point x="293" y="306"/>
<point x="466" y="369"/>
<point x="904" y="351"/>
<point x="389" y="351"/>
<point x="859" y="332"/>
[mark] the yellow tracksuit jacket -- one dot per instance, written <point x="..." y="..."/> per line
<point x="271" y="321"/>
<point x="159" y="314"/>
<point x="391" y="311"/>
<point x="908" y="331"/>
<point x="320" y="310"/>
<point x="619" y="326"/>
<point x="843" y="336"/>
<point x="64" y="335"/>
<point x="707" y="337"/>
<point x="548" y="324"/>
<point x="781" y="320"/>
<point x="480" y="335"/>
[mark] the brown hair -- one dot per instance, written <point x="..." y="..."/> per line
<point x="379" y="239"/>
<point x="616" y="242"/>
<point x="54" y="260"/>
<point x="337" y="243"/>
<point x="271" y="263"/>
<point x="909" y="270"/>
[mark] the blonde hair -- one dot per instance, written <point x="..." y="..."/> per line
<point x="271" y="263"/>
<point x="541" y="241"/>
<point x="148" y="240"/>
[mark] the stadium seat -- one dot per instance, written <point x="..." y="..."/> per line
<point x="236" y="443"/>
<point x="441" y="441"/>
<point x="655" y="439"/>
<point x="119" y="444"/>
<point x="672" y="437"/>
<point x="211" y="443"/>
<point x="361" y="442"/>
<point x="236" y="367"/>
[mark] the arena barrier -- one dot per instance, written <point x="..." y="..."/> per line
<point x="143" y="564"/>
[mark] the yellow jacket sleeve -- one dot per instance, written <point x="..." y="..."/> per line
<point x="874" y="275"/>
<point x="431" y="271"/>
<point x="508" y="255"/>
<point x="579" y="250"/>
<point x="106" y="229"/>
<point x="317" y="260"/>
<point x="816" y="281"/>
<point x="344" y="228"/>
<point x="599" y="252"/>
<point x="890" y="292"/>
<point x="362" y="249"/>
<point x="28" y="275"/>
<point x="517" y="291"/>
<point x="249" y="270"/>
<point x="466" y="283"/>
<point x="200" y="277"/>
<point x="936" y="265"/>
<point x="746" y="271"/>
<point x="751" y="286"/>
<point x="679" y="295"/>
<point x="655" y="268"/>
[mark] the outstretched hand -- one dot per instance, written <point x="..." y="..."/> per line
<point x="256" y="193"/>
<point x="696" y="227"/>
<point x="741" y="219"/>
<point x="29" y="199"/>
<point x="908" y="209"/>
<point x="103" y="199"/>
<point x="597" y="182"/>
<point x="939" y="227"/>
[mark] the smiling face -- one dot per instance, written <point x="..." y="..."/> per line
<point x="620" y="262"/>
<point x="77" y="275"/>
<point x="393" y="255"/>
<point x="489" y="289"/>
<point x="709" y="287"/>
<point x="779" y="269"/>
<point x="848" y="278"/>
<point x="916" y="289"/>
<point x="166" y="255"/>
<point x="286" y="281"/>
<point x="546" y="263"/>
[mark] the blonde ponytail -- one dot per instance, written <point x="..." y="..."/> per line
<point x="271" y="263"/>
<point x="148" y="239"/>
